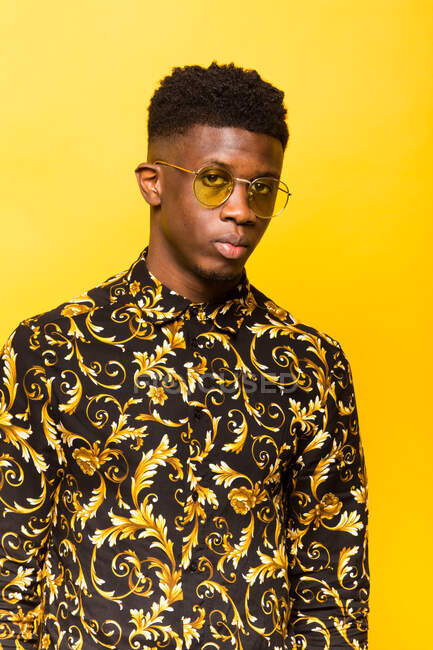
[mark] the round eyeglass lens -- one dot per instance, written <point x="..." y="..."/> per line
<point x="268" y="197"/>
<point x="212" y="186"/>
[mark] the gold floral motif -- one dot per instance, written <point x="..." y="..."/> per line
<point x="134" y="288"/>
<point x="73" y="309"/>
<point x="87" y="459"/>
<point x="157" y="394"/>
<point x="24" y="622"/>
<point x="279" y="312"/>
<point x="328" y="507"/>
<point x="201" y="316"/>
<point x="243" y="499"/>
<point x="250" y="302"/>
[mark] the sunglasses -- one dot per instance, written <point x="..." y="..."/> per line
<point x="212" y="185"/>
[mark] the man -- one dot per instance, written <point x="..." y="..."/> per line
<point x="180" y="458"/>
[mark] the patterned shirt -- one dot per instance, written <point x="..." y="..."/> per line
<point x="176" y="474"/>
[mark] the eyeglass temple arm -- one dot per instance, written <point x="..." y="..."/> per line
<point x="161" y="162"/>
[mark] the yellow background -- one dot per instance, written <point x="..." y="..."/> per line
<point x="352" y="254"/>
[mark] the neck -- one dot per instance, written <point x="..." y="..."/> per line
<point x="192" y="283"/>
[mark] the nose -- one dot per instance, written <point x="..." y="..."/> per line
<point x="236" y="207"/>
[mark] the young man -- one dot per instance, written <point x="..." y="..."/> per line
<point x="180" y="458"/>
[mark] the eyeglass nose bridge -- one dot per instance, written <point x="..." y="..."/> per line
<point x="233" y="179"/>
<point x="248" y="197"/>
<point x="233" y="182"/>
<point x="232" y="188"/>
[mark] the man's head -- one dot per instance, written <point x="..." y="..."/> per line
<point x="222" y="117"/>
<point x="218" y="96"/>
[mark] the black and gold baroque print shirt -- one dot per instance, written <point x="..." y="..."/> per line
<point x="179" y="475"/>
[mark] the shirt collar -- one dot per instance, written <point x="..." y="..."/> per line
<point x="161" y="304"/>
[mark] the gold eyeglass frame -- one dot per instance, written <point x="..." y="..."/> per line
<point x="282" y="185"/>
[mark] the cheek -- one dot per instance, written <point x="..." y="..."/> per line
<point x="182" y="218"/>
<point x="266" y="224"/>
<point x="178" y="200"/>
<point x="261" y="227"/>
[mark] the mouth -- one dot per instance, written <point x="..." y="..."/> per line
<point x="230" y="251"/>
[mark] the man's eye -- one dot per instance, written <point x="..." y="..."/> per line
<point x="262" y="188"/>
<point x="214" y="179"/>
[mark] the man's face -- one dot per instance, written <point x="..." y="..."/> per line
<point x="188" y="232"/>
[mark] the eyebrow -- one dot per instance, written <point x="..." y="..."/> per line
<point x="259" y="174"/>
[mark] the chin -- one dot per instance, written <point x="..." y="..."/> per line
<point x="217" y="275"/>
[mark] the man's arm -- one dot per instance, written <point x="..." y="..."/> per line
<point x="29" y="460"/>
<point x="327" y="526"/>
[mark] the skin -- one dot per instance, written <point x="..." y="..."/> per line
<point x="182" y="253"/>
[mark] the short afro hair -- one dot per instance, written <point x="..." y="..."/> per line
<point x="220" y="95"/>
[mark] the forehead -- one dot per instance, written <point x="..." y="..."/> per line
<point x="242" y="151"/>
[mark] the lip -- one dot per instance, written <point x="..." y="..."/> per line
<point x="230" y="251"/>
<point x="233" y="239"/>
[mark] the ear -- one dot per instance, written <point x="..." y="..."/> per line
<point x="149" y="182"/>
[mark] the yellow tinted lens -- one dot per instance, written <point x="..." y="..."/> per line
<point x="212" y="186"/>
<point x="267" y="197"/>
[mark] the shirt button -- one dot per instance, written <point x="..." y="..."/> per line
<point x="194" y="495"/>
<point x="193" y="565"/>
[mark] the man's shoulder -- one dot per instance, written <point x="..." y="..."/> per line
<point x="101" y="296"/>
<point x="283" y="324"/>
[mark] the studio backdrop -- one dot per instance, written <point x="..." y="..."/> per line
<point x="352" y="253"/>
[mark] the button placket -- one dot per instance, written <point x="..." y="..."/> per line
<point x="193" y="327"/>
<point x="191" y="340"/>
<point x="197" y="413"/>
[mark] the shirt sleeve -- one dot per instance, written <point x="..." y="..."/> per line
<point x="29" y="473"/>
<point x="327" y="519"/>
